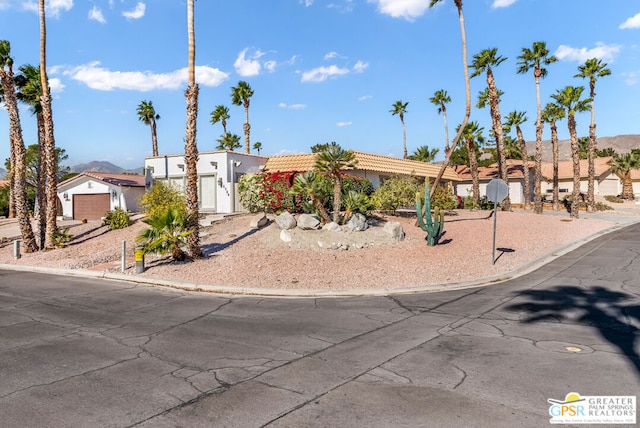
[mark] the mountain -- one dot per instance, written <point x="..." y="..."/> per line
<point x="619" y="143"/>
<point x="3" y="174"/>
<point x="104" y="166"/>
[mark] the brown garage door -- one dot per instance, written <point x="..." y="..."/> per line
<point x="91" y="207"/>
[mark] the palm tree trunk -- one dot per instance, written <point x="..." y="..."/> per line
<point x="496" y="122"/>
<point x="591" y="199"/>
<point x="321" y="209"/>
<point x="337" y="193"/>
<point x="575" y="156"/>
<point x="467" y="113"/>
<point x="12" y="181"/>
<point x="473" y="165"/>
<point x="554" y="146"/>
<point x="627" y="186"/>
<point x="525" y="169"/>
<point x="446" y="129"/>
<point x="154" y="138"/>
<point x="247" y="130"/>
<point x="41" y="185"/>
<point x="191" y="160"/>
<point x="537" y="179"/>
<point x="404" y="139"/>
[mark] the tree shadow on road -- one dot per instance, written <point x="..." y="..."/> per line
<point x="605" y="310"/>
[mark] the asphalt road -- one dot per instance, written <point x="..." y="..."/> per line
<point x="80" y="352"/>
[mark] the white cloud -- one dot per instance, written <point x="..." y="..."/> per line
<point x="52" y="7"/>
<point x="103" y="79"/>
<point x="407" y="9"/>
<point x="321" y="74"/>
<point x="360" y="67"/>
<point x="247" y="66"/>
<point x="341" y="124"/>
<point x="601" y="51"/>
<point x="292" y="106"/>
<point x="331" y="55"/>
<point x="136" y="13"/>
<point x="307" y="3"/>
<point x="270" y="66"/>
<point x="55" y="85"/>
<point x="365" y="97"/>
<point x="633" y="22"/>
<point x="96" y="15"/>
<point x="502" y="3"/>
<point x="630" y="78"/>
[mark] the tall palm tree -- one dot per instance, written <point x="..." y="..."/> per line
<point x="29" y="92"/>
<point x="50" y="153"/>
<point x="592" y="69"/>
<point x="621" y="165"/>
<point x="332" y="161"/>
<point x="441" y="99"/>
<point x="241" y="95"/>
<point x="473" y="138"/>
<point x="511" y="147"/>
<point x="18" y="169"/>
<point x="569" y="99"/>
<point x="467" y="111"/>
<point x="257" y="146"/>
<point x="515" y="119"/>
<point x="424" y="154"/>
<point x="229" y="142"/>
<point x="220" y="114"/>
<point x="190" y="143"/>
<point x="485" y="62"/>
<point x="551" y="114"/>
<point x="147" y="115"/>
<point x="537" y="58"/>
<point x="399" y="108"/>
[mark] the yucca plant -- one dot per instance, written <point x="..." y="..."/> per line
<point x="167" y="234"/>
<point x="355" y="202"/>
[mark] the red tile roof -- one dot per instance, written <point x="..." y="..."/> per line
<point x="130" y="180"/>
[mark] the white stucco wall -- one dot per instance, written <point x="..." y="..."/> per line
<point x="516" y="191"/>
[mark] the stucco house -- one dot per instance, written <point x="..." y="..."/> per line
<point x="219" y="171"/>
<point x="605" y="182"/>
<point x="515" y="178"/>
<point x="90" y="195"/>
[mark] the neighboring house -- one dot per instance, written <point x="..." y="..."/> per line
<point x="376" y="168"/>
<point x="219" y="171"/>
<point x="515" y="178"/>
<point x="605" y="182"/>
<point x="91" y="195"/>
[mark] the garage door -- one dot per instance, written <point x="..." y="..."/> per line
<point x="91" y="207"/>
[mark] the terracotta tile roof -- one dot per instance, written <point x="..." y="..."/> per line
<point x="366" y="162"/>
<point x="131" y="180"/>
<point x="565" y="168"/>
<point x="514" y="170"/>
<point x="4" y="183"/>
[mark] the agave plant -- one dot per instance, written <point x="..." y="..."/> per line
<point x="167" y="234"/>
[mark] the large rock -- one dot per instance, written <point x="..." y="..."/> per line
<point x="286" y="221"/>
<point x="394" y="229"/>
<point x="357" y="223"/>
<point x="259" y="221"/>
<point x="285" y="235"/>
<point x="332" y="227"/>
<point x="308" y="222"/>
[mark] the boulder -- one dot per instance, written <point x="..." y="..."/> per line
<point x="308" y="222"/>
<point x="394" y="229"/>
<point x="332" y="227"/>
<point x="357" y="223"/>
<point x="286" y="221"/>
<point x="259" y="221"/>
<point x="285" y="235"/>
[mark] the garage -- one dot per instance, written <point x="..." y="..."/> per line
<point x="91" y="206"/>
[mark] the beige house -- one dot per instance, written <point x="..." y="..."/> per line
<point x="515" y="178"/>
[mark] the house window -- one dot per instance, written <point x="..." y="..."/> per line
<point x="565" y="190"/>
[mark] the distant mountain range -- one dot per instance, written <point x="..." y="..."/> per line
<point x="103" y="166"/>
<point x="619" y="143"/>
<point x="3" y="173"/>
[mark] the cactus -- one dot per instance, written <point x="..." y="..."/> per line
<point x="433" y="225"/>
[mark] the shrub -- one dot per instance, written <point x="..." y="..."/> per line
<point x="444" y="199"/>
<point x="160" y="197"/>
<point x="249" y="188"/>
<point x="483" y="203"/>
<point x="168" y="233"/>
<point x="355" y="202"/>
<point x="61" y="237"/>
<point x="276" y="195"/>
<point x="395" y="192"/>
<point x="613" y="199"/>
<point x="600" y="206"/>
<point x="118" y="219"/>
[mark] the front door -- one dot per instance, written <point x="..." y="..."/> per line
<point x="207" y="196"/>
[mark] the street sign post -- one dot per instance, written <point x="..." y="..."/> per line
<point x="497" y="190"/>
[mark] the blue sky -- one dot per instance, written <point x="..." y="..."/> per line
<point x="321" y="70"/>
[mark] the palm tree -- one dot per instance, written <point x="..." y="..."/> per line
<point x="167" y="234"/>
<point x="190" y="143"/>
<point x="424" y="154"/>
<point x="18" y="169"/>
<point x="441" y="99"/>
<point x="592" y="69"/>
<point x="400" y="109"/>
<point x="29" y="92"/>
<point x="551" y="114"/>
<point x="473" y="138"/>
<point x="147" y="115"/>
<point x="536" y="58"/>
<point x="241" y="95"/>
<point x="484" y="62"/>
<point x="312" y="185"/>
<point x="333" y="160"/>
<point x="229" y="142"/>
<point x="569" y="99"/>
<point x="50" y="153"/>
<point x="467" y="112"/>
<point x="511" y="147"/>
<point x="257" y="146"/>
<point x="220" y="114"/>
<point x="517" y="118"/>
<point x="621" y="165"/>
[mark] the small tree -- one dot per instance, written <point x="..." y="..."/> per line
<point x="168" y="233"/>
<point x="311" y="185"/>
<point x="395" y="192"/>
<point x="160" y="197"/>
<point x="333" y="161"/>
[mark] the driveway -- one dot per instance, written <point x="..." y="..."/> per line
<point x="86" y="352"/>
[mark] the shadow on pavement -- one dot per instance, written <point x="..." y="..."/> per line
<point x="597" y="307"/>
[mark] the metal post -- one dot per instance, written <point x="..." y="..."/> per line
<point x="124" y="256"/>
<point x="139" y="256"/>
<point x="16" y="249"/>
<point x="495" y="220"/>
